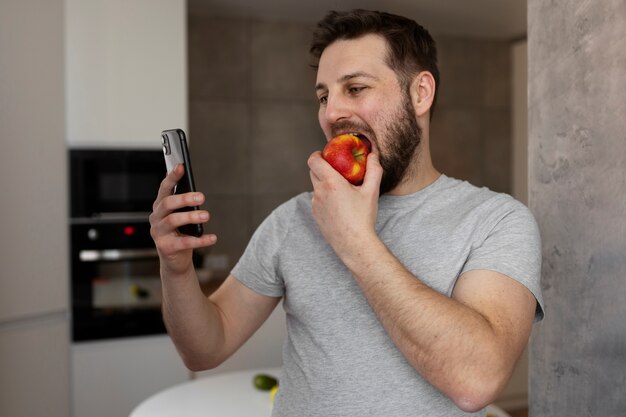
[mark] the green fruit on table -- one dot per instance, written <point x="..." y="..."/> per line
<point x="264" y="382"/>
<point x="273" y="393"/>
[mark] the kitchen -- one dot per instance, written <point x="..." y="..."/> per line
<point x="44" y="110"/>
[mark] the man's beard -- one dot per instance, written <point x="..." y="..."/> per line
<point x="402" y="135"/>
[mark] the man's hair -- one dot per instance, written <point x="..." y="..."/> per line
<point x="411" y="49"/>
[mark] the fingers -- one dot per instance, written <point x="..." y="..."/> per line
<point x="322" y="172"/>
<point x="373" y="173"/>
<point x="169" y="182"/>
<point x="165" y="234"/>
<point x="165" y="218"/>
<point x="175" y="220"/>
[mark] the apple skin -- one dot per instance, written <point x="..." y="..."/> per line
<point x="348" y="155"/>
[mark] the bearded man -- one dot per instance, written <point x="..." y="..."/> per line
<point x="412" y="294"/>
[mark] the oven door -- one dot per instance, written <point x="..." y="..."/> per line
<point x="116" y="287"/>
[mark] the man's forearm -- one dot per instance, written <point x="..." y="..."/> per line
<point x="192" y="321"/>
<point x="452" y="345"/>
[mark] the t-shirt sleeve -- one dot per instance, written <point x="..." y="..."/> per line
<point x="510" y="244"/>
<point x="258" y="267"/>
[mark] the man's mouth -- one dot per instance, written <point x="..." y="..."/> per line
<point x="359" y="130"/>
<point x="364" y="139"/>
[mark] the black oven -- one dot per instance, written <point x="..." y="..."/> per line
<point x="114" y="183"/>
<point x="116" y="289"/>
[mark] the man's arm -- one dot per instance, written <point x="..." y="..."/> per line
<point x="205" y="331"/>
<point x="467" y="345"/>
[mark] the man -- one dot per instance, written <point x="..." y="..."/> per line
<point x="410" y="295"/>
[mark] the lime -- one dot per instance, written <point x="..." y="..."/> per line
<point x="264" y="382"/>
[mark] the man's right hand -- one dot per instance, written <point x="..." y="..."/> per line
<point x="205" y="331"/>
<point x="175" y="250"/>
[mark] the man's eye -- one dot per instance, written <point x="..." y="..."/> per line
<point x="355" y="90"/>
<point x="322" y="99"/>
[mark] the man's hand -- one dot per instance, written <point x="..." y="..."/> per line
<point x="346" y="214"/>
<point x="175" y="250"/>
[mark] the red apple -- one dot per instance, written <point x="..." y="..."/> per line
<point x="348" y="155"/>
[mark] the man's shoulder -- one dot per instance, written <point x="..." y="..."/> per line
<point x="482" y="202"/>
<point x="295" y="209"/>
<point x="464" y="192"/>
<point x="296" y="205"/>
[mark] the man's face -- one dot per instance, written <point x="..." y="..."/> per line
<point x="359" y="93"/>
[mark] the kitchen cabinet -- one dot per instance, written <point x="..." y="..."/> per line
<point x="34" y="278"/>
<point x="110" y="378"/>
<point x="126" y="71"/>
<point x="34" y="359"/>
<point x="34" y="325"/>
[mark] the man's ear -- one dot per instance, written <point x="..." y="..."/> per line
<point x="423" y="92"/>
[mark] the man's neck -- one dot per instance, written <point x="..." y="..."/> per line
<point x="421" y="173"/>
<point x="416" y="180"/>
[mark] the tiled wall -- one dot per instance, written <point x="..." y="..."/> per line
<point x="253" y="118"/>
<point x="471" y="129"/>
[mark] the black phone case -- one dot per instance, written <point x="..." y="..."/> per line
<point x="186" y="183"/>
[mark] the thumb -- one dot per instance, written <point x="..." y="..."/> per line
<point x="373" y="173"/>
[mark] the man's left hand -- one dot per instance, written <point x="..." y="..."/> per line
<point x="345" y="213"/>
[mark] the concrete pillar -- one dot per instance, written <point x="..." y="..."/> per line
<point x="577" y="190"/>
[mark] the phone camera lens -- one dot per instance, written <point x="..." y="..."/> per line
<point x="166" y="145"/>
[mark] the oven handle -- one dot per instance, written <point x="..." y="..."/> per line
<point x="116" y="254"/>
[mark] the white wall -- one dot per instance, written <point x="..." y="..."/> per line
<point x="34" y="329"/>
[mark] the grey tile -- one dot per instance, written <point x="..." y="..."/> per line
<point x="283" y="137"/>
<point x="456" y="143"/>
<point x="218" y="57"/>
<point x="280" y="61"/>
<point x="230" y="222"/>
<point x="496" y="75"/>
<point x="460" y="67"/>
<point x="219" y="144"/>
<point x="497" y="169"/>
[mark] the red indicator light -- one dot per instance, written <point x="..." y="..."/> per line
<point x="129" y="230"/>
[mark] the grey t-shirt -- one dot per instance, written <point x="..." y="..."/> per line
<point x="337" y="358"/>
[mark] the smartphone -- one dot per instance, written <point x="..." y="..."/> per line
<point x="176" y="152"/>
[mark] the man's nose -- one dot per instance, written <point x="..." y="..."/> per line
<point x="336" y="109"/>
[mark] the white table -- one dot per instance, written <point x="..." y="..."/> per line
<point x="221" y="395"/>
<point x="225" y="395"/>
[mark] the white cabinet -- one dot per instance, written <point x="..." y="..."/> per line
<point x="110" y="378"/>
<point x="34" y="330"/>
<point x="34" y="277"/>
<point x="34" y="359"/>
<point x="126" y="71"/>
